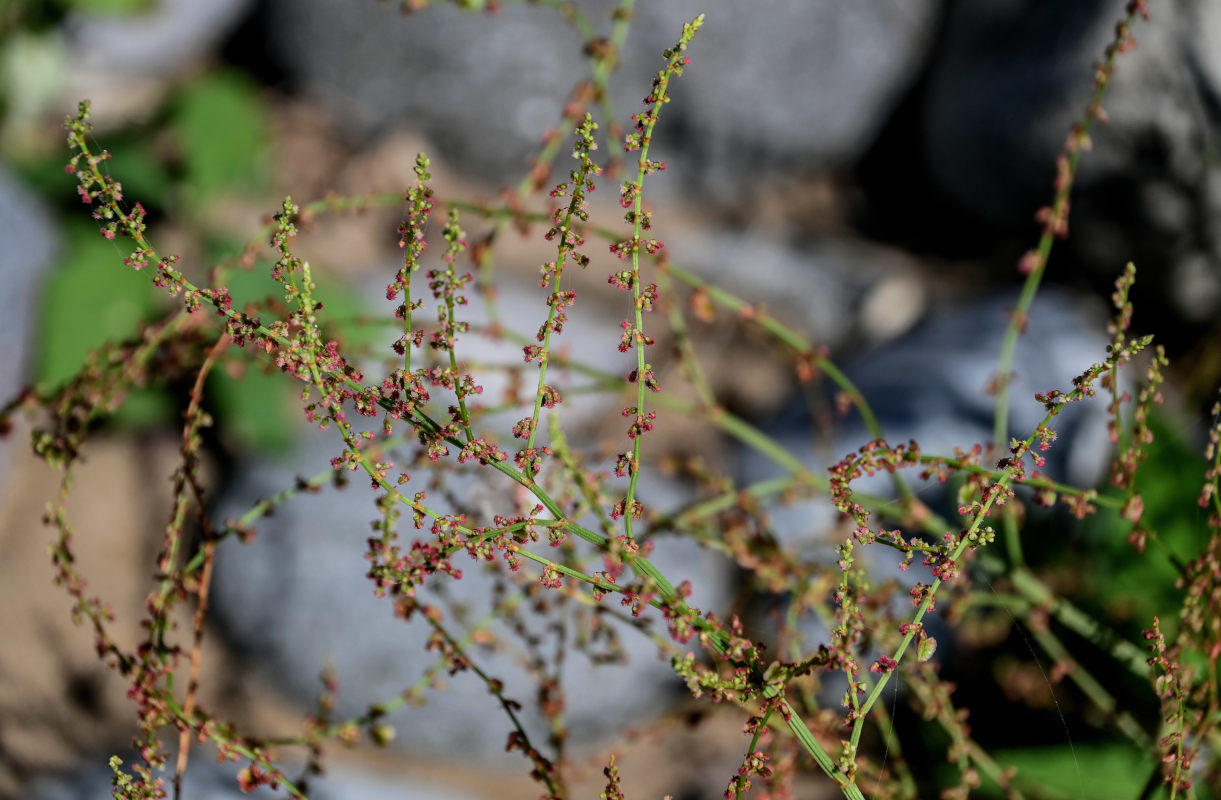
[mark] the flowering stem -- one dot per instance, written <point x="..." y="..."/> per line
<point x="543" y="768"/>
<point x="568" y="240"/>
<point x="632" y="197"/>
<point x="799" y="345"/>
<point x="994" y="494"/>
<point x="1055" y="218"/>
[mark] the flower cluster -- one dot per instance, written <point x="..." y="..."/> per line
<point x="567" y="511"/>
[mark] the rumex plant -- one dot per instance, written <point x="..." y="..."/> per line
<point x="584" y="535"/>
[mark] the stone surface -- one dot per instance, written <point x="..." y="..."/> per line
<point x="24" y="261"/>
<point x="781" y="85"/>
<point x="1009" y="80"/>
<point x="297" y="598"/>
<point x="590" y="336"/>
<point x="164" y="39"/>
<point x="931" y="386"/>
<point x="486" y="86"/>
<point x="124" y="63"/>
<point x="1007" y="83"/>
<point x="823" y="288"/>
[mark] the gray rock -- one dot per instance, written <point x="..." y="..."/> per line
<point x="1197" y="287"/>
<point x="296" y="599"/>
<point x="780" y="85"/>
<point x="827" y="288"/>
<point x="1204" y="33"/>
<point x="771" y="85"/>
<point x="935" y="381"/>
<point x="160" y="42"/>
<point x="931" y="386"/>
<point x="126" y="63"/>
<point x="590" y="336"/>
<point x="1009" y="80"/>
<point x="24" y="260"/>
<point x="484" y="87"/>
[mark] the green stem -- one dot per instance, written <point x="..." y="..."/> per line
<point x="1078" y="141"/>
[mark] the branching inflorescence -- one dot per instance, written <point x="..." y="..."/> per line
<point x="871" y="640"/>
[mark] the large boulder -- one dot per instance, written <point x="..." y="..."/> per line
<point x="1008" y="81"/>
<point x="772" y="85"/>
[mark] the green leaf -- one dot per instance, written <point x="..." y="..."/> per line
<point x="133" y="164"/>
<point x="90" y="299"/>
<point x="223" y="135"/>
<point x="925" y="647"/>
<point x="31" y="74"/>
<point x="111" y="8"/>
<point x="1138" y="586"/>
<point x="261" y="410"/>
<point x="346" y="315"/>
<point x="246" y="286"/>
<point x="1098" y="771"/>
<point x="258" y="411"/>
<point x="145" y="408"/>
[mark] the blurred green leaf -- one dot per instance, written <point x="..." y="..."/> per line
<point x="133" y="164"/>
<point x="345" y="314"/>
<point x="223" y="135"/>
<point x="112" y="8"/>
<point x="246" y="285"/>
<point x="259" y="411"/>
<point x="143" y="176"/>
<point x="31" y="74"/>
<point x="38" y="15"/>
<point x="145" y="408"/>
<point x="90" y="299"/>
<point x="44" y="173"/>
<point x="1096" y="771"/>
<point x="1136" y="585"/>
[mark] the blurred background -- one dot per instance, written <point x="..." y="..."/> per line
<point x="869" y="172"/>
